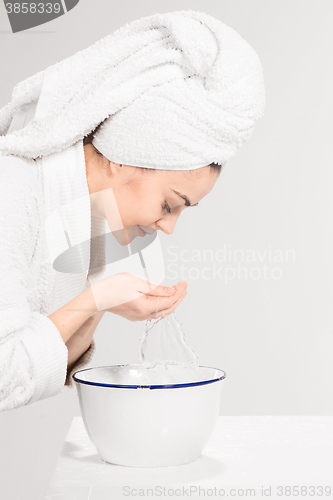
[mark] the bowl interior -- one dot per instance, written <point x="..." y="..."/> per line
<point x="140" y="375"/>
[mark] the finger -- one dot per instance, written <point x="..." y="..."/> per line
<point x="169" y="310"/>
<point x="165" y="312"/>
<point x="181" y="286"/>
<point x="181" y="283"/>
<point x="158" y="303"/>
<point x="161" y="291"/>
<point x="149" y="287"/>
<point x="162" y="303"/>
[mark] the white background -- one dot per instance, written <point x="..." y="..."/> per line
<point x="273" y="337"/>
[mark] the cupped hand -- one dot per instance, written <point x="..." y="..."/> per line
<point x="136" y="298"/>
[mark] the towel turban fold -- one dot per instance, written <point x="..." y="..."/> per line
<point x="174" y="91"/>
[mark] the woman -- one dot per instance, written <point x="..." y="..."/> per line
<point x="130" y="131"/>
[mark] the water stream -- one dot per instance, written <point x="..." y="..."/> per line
<point x="163" y="344"/>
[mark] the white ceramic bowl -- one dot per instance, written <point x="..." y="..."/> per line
<point x="149" y="417"/>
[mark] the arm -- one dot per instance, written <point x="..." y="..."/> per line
<point x="73" y="315"/>
<point x="33" y="356"/>
<point x="76" y="322"/>
<point x="33" y="353"/>
<point x="81" y="340"/>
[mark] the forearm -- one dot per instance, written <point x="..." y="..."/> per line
<point x="72" y="315"/>
<point x="82" y="338"/>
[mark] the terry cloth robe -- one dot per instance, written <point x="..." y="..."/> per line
<point x="44" y="209"/>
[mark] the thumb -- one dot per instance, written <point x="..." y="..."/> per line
<point x="150" y="288"/>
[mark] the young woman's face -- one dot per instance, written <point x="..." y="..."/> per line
<point x="153" y="200"/>
<point x="147" y="200"/>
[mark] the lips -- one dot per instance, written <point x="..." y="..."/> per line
<point x="141" y="231"/>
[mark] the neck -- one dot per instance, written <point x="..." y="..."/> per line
<point x="102" y="199"/>
<point x="93" y="174"/>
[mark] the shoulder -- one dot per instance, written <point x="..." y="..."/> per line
<point x="14" y="162"/>
<point x="20" y="209"/>
<point x="20" y="170"/>
<point x="18" y="181"/>
<point x="20" y="193"/>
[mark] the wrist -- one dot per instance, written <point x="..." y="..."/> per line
<point x="73" y="314"/>
<point x="88" y="302"/>
<point x="81" y="340"/>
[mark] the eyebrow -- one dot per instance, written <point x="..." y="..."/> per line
<point x="187" y="201"/>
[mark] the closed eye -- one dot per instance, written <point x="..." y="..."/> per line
<point x="167" y="208"/>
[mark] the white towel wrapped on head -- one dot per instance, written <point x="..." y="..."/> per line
<point x="176" y="91"/>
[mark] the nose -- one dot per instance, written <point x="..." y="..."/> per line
<point x="167" y="224"/>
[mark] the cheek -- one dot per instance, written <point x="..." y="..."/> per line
<point x="149" y="210"/>
<point x="142" y="202"/>
<point x="145" y="195"/>
<point x="137" y="206"/>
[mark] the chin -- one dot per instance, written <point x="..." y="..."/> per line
<point x="132" y="233"/>
<point x="147" y="229"/>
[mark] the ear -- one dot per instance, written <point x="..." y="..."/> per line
<point x="115" y="168"/>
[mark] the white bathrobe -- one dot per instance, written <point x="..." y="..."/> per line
<point x="44" y="209"/>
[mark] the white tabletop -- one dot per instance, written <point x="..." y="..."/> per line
<point x="244" y="453"/>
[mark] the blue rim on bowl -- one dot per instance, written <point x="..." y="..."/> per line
<point x="164" y="386"/>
